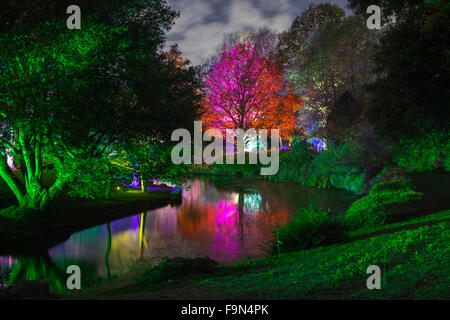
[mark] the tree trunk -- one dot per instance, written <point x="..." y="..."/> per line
<point x="31" y="194"/>
<point x="37" y="199"/>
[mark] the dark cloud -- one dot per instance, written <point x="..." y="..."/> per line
<point x="203" y="23"/>
<point x="220" y="14"/>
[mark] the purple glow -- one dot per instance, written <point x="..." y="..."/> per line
<point x="136" y="184"/>
<point x="134" y="223"/>
<point x="151" y="188"/>
<point x="316" y="143"/>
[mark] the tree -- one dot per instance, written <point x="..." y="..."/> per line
<point x="167" y="93"/>
<point x="244" y="90"/>
<point x="67" y="96"/>
<point x="296" y="38"/>
<point x="264" y="39"/>
<point x="342" y="118"/>
<point x="325" y="55"/>
<point x="390" y="10"/>
<point x="42" y="87"/>
<point x="411" y="68"/>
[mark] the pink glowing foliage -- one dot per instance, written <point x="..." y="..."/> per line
<point x="245" y="90"/>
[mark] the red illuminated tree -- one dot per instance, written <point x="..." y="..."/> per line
<point x="244" y="90"/>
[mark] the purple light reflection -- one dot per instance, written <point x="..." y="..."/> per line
<point x="211" y="221"/>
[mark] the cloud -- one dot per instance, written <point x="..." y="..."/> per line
<point x="203" y="23"/>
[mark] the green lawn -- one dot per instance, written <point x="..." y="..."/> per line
<point x="414" y="265"/>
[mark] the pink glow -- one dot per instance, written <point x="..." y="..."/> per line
<point x="241" y="89"/>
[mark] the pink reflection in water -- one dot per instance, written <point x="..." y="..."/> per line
<point x="212" y="221"/>
<point x="6" y="262"/>
<point x="223" y="225"/>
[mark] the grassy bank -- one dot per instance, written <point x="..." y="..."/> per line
<point x="413" y="257"/>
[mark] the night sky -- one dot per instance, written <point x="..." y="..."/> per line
<point x="203" y="23"/>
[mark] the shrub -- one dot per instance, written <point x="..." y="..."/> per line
<point x="176" y="267"/>
<point x="94" y="179"/>
<point x="310" y="228"/>
<point x="385" y="199"/>
<point x="320" y="169"/>
<point x="340" y="167"/>
<point x="397" y="185"/>
<point x="294" y="163"/>
<point x="346" y="177"/>
<point x="428" y="150"/>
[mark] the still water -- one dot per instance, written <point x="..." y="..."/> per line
<point x="228" y="220"/>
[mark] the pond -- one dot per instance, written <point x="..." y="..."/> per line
<point x="228" y="220"/>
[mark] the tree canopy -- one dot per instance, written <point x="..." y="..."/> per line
<point x="68" y="95"/>
<point x="325" y="54"/>
<point x="244" y="90"/>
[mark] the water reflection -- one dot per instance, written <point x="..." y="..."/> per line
<point x="227" y="220"/>
<point x="36" y="267"/>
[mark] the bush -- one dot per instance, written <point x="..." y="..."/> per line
<point x="397" y="185"/>
<point x="310" y="228"/>
<point x="93" y="179"/>
<point x="428" y="150"/>
<point x="334" y="167"/>
<point x="343" y="167"/>
<point x="385" y="199"/>
<point x="350" y="178"/>
<point x="340" y="167"/>
<point x="176" y="267"/>
<point x="294" y="163"/>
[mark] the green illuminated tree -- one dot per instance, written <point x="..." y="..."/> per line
<point x="68" y="95"/>
<point x="46" y="115"/>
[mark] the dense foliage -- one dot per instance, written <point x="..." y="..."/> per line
<point x="339" y="166"/>
<point x="426" y="150"/>
<point x="411" y="64"/>
<point x="325" y="54"/>
<point x="243" y="90"/>
<point x="73" y="101"/>
<point x="383" y="202"/>
<point x="309" y="228"/>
